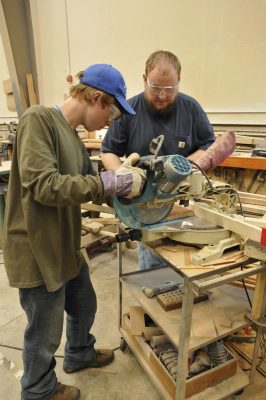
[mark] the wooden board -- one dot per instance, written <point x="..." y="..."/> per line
<point x="245" y="162"/>
<point x="31" y="91"/>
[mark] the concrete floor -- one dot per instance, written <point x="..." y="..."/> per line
<point x="123" y="379"/>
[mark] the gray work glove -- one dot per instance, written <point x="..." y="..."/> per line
<point x="127" y="181"/>
<point x="222" y="148"/>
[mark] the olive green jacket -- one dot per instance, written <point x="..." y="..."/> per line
<point x="46" y="187"/>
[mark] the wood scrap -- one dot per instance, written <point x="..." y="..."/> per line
<point x="97" y="228"/>
<point x="93" y="227"/>
<point x="102" y="220"/>
<point x="225" y="259"/>
<point x="224" y="322"/>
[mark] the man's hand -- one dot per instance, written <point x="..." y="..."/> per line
<point x="222" y="148"/>
<point x="127" y="181"/>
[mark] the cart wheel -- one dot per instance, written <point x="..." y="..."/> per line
<point x="123" y="344"/>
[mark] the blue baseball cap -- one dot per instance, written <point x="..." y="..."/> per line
<point x="108" y="79"/>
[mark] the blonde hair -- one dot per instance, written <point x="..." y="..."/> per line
<point x="163" y="60"/>
<point x="84" y="92"/>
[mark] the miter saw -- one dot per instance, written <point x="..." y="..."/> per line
<point x="170" y="179"/>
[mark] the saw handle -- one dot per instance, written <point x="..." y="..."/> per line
<point x="131" y="160"/>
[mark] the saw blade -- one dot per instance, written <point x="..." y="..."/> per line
<point x="135" y="215"/>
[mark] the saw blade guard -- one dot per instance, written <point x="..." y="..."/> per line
<point x="164" y="175"/>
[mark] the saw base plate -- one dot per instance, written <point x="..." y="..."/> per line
<point x="191" y="230"/>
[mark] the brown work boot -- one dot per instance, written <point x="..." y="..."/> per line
<point x="65" y="392"/>
<point x="103" y="358"/>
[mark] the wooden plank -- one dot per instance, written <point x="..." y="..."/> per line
<point x="31" y="91"/>
<point x="245" y="162"/>
<point x="97" y="207"/>
<point x="250" y="140"/>
<point x="102" y="220"/>
<point x="249" y="199"/>
<point x="252" y="196"/>
<point x="252" y="208"/>
<point x="244" y="229"/>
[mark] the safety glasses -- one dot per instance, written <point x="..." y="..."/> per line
<point x="158" y="90"/>
<point x="115" y="113"/>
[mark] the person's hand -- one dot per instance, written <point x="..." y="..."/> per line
<point x="130" y="179"/>
<point x="127" y="181"/>
<point x="222" y="148"/>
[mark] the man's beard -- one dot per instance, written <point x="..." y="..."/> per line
<point x="162" y="112"/>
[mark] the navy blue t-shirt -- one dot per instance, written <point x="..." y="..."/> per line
<point x="185" y="126"/>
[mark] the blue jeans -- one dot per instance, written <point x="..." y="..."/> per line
<point x="147" y="259"/>
<point x="45" y="314"/>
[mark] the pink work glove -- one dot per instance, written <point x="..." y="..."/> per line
<point x="222" y="148"/>
<point x="127" y="181"/>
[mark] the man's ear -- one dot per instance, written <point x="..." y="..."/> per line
<point x="96" y="97"/>
<point x="144" y="79"/>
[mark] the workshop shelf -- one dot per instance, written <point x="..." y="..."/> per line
<point x="226" y="303"/>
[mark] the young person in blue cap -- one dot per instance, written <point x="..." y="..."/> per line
<point x="51" y="176"/>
